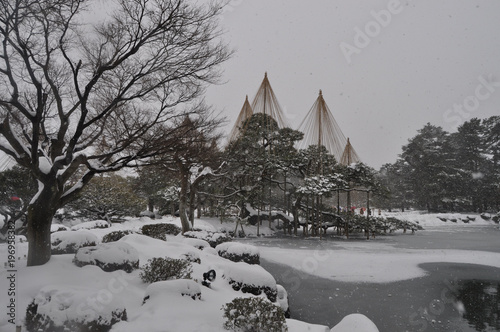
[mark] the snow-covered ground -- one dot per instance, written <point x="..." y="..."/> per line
<point x="167" y="310"/>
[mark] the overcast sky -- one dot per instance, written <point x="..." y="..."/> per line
<point x="386" y="68"/>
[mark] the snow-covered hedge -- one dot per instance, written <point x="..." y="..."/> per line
<point x="68" y="242"/>
<point x="180" y="287"/>
<point x="239" y="252"/>
<point x="197" y="243"/>
<point x="116" y="235"/>
<point x="253" y="314"/>
<point x="91" y="225"/>
<point x="109" y="257"/>
<point x="160" y="269"/>
<point x="58" y="228"/>
<point x="60" y="308"/>
<point x="214" y="238"/>
<point x="251" y="279"/>
<point x="160" y="231"/>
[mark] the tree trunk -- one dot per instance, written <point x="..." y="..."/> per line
<point x="40" y="214"/>
<point x="192" y="205"/>
<point x="183" y="201"/>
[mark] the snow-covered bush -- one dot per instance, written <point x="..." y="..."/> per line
<point x="116" y="235"/>
<point x="253" y="314"/>
<point x="109" y="257"/>
<point x="160" y="231"/>
<point x="61" y="308"/>
<point x="160" y="269"/>
<point x="197" y="243"/>
<point x="283" y="300"/>
<point x="251" y="279"/>
<point x="58" y="228"/>
<point x="91" y="225"/>
<point x="214" y="238"/>
<point x="181" y="287"/>
<point x="238" y="252"/>
<point x="68" y="242"/>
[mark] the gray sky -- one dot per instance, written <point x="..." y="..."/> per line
<point x="386" y="68"/>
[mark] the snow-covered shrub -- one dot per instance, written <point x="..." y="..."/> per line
<point x="197" y="243"/>
<point x="59" y="309"/>
<point x="109" y="257"/>
<point x="91" y="225"/>
<point x="160" y="231"/>
<point x="213" y="238"/>
<point x="58" y="228"/>
<point x="181" y="287"/>
<point x="68" y="242"/>
<point x="253" y="314"/>
<point x="147" y="213"/>
<point x="252" y="279"/>
<point x="238" y="252"/>
<point x="116" y="235"/>
<point x="283" y="300"/>
<point x="160" y="269"/>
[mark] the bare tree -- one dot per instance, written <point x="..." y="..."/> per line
<point x="75" y="95"/>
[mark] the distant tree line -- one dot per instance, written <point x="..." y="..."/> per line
<point x="441" y="171"/>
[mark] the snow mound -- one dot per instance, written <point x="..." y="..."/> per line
<point x="91" y="225"/>
<point x="149" y="247"/>
<point x="197" y="243"/>
<point x="71" y="308"/>
<point x="252" y="279"/>
<point x="355" y="323"/>
<point x="58" y="228"/>
<point x="109" y="257"/>
<point x="161" y="290"/>
<point x="239" y="252"/>
<point x="68" y="242"/>
<point x="299" y="326"/>
<point x="283" y="300"/>
<point x="214" y="238"/>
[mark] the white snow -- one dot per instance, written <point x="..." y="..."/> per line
<point x="158" y="291"/>
<point x="108" y="253"/>
<point x="360" y="261"/>
<point x="76" y="239"/>
<point x="355" y="323"/>
<point x="91" y="225"/>
<point x="236" y="248"/>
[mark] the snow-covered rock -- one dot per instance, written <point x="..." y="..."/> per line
<point x="73" y="308"/>
<point x="252" y="279"/>
<point x="355" y="323"/>
<point x="300" y="326"/>
<point x="91" y="225"/>
<point x="283" y="300"/>
<point x="109" y="257"/>
<point x="239" y="252"/>
<point x="68" y="242"/>
<point x="163" y="290"/>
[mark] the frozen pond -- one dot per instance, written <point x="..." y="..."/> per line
<point x="451" y="296"/>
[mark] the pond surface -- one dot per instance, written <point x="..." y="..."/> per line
<point x="451" y="297"/>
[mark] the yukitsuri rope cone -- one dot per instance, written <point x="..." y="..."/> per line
<point x="320" y="128"/>
<point x="245" y="114"/>
<point x="265" y="101"/>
